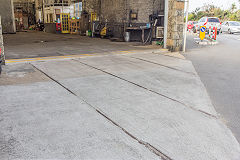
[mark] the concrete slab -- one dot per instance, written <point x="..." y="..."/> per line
<point x="43" y="121"/>
<point x="36" y="44"/>
<point x="177" y="131"/>
<point x="20" y="74"/>
<point x="183" y="87"/>
<point x="67" y="69"/>
<point x="168" y="61"/>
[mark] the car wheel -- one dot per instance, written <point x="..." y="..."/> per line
<point x="229" y="31"/>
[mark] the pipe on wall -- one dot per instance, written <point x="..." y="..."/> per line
<point x="165" y="23"/>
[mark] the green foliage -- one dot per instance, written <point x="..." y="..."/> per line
<point x="212" y="11"/>
<point x="191" y="17"/>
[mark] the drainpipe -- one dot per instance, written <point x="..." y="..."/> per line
<point x="165" y="23"/>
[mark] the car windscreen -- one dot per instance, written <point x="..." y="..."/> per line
<point x="216" y="20"/>
<point x="234" y="23"/>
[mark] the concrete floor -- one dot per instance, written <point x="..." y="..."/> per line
<point x="126" y="106"/>
<point x="219" y="69"/>
<point x="34" y="44"/>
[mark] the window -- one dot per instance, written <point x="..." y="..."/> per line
<point x="234" y="24"/>
<point x="202" y="19"/>
<point x="51" y="18"/>
<point x="216" y="20"/>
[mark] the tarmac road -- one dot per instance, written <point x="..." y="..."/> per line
<point x="219" y="69"/>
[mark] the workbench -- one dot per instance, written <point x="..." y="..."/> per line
<point x="142" y="29"/>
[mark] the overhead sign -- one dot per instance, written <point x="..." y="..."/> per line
<point x="202" y="33"/>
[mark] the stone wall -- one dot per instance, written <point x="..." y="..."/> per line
<point x="113" y="13"/>
<point x="6" y="11"/>
<point x="92" y="6"/>
<point x="175" y="25"/>
<point x="119" y="10"/>
<point x="117" y="13"/>
<point x="144" y="8"/>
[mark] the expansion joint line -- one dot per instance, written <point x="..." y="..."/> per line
<point x="138" y="85"/>
<point x="162" y="65"/>
<point x="146" y="144"/>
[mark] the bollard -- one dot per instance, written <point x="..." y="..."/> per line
<point x="215" y="35"/>
<point x="209" y="32"/>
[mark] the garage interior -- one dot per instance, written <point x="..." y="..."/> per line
<point x="59" y="27"/>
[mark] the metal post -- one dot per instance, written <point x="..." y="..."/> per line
<point x="62" y="6"/>
<point x="185" y="28"/>
<point x="165" y="23"/>
<point x="43" y="16"/>
<point x="28" y="12"/>
<point x="13" y="16"/>
<point x="2" y="56"/>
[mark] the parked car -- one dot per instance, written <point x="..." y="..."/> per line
<point x="190" y="25"/>
<point x="231" y="27"/>
<point x="208" y="22"/>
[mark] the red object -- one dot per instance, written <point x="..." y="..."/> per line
<point x="58" y="27"/>
<point x="213" y="36"/>
<point x="220" y="21"/>
<point x="206" y="22"/>
<point x="190" y="25"/>
<point x="210" y="31"/>
<point x="0" y="52"/>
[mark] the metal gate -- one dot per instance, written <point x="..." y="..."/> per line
<point x="65" y="22"/>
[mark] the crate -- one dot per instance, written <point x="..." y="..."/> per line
<point x="74" y="26"/>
